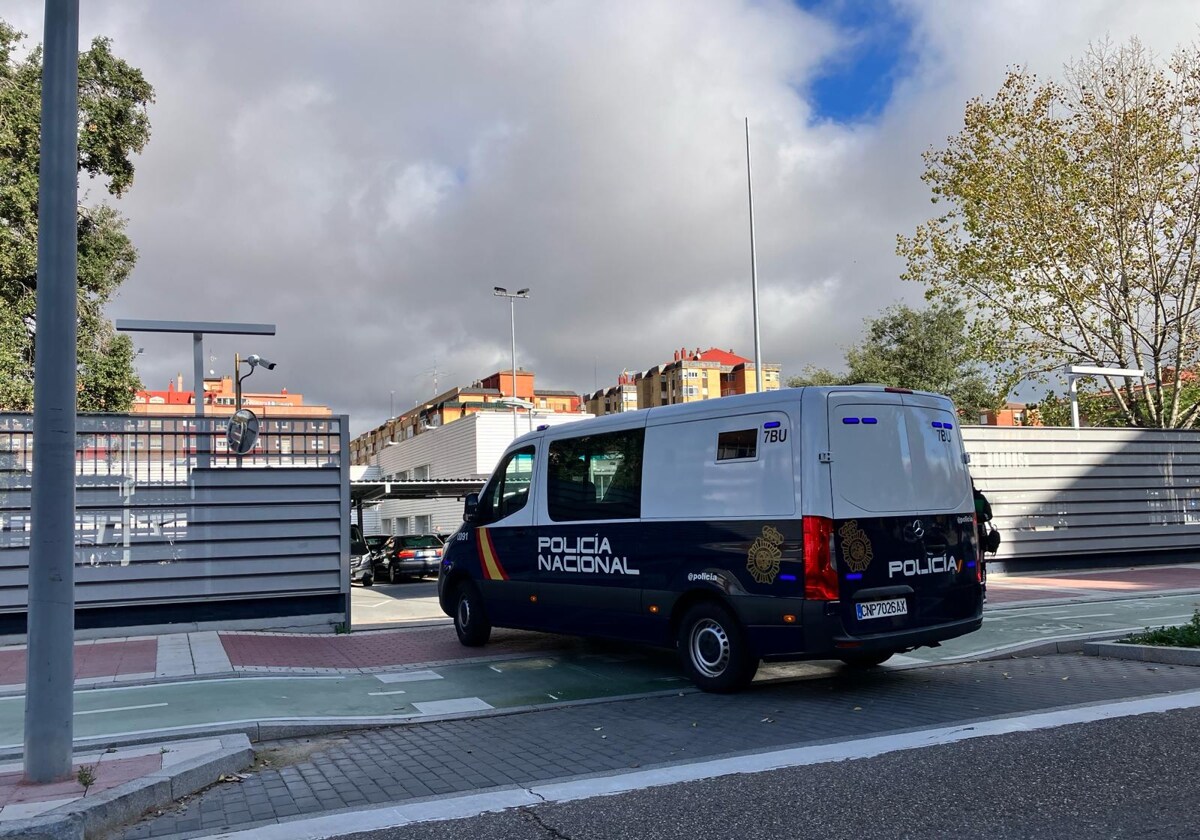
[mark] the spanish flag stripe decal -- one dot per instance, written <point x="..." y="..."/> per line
<point x="488" y="559"/>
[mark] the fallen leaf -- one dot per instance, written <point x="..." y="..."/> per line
<point x="858" y="708"/>
<point x="597" y="728"/>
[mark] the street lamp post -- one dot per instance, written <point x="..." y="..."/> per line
<point x="1076" y="371"/>
<point x="500" y="291"/>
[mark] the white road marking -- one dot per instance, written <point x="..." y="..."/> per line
<point x="384" y="693"/>
<point x="121" y="709"/>
<point x="474" y="804"/>
<point x="409" y="676"/>
<point x="1091" y="615"/>
<point x="447" y="707"/>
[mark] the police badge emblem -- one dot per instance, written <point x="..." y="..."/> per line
<point x="762" y="561"/>
<point x="856" y="547"/>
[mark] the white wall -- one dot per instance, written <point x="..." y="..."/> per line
<point x="465" y="449"/>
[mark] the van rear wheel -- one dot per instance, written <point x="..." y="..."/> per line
<point x="713" y="650"/>
<point x="470" y="619"/>
<point x="866" y="659"/>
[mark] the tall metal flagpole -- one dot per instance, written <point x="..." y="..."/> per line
<point x="758" y="377"/>
<point x="50" y="663"/>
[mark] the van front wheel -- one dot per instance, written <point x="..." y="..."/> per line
<point x="713" y="651"/>
<point x="470" y="620"/>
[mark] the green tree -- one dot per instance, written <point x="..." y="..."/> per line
<point x="925" y="350"/>
<point x="1069" y="225"/>
<point x="114" y="126"/>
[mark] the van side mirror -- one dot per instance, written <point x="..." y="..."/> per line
<point x="470" y="506"/>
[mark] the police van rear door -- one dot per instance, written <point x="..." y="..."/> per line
<point x="902" y="510"/>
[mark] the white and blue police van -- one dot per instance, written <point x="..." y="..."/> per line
<point x="804" y="523"/>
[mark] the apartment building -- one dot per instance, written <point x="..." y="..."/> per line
<point x="692" y="375"/>
<point x="493" y="394"/>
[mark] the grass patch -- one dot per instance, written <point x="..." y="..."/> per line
<point x="1186" y="636"/>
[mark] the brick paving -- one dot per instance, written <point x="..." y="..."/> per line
<point x="372" y="650"/>
<point x="92" y="660"/>
<point x="403" y="763"/>
<point x="1013" y="588"/>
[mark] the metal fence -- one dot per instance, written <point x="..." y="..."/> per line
<point x="166" y="516"/>
<point x="1059" y="492"/>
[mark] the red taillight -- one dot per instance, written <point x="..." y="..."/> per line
<point x="820" y="577"/>
<point x="407" y="553"/>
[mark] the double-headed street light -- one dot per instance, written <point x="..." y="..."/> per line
<point x="500" y="291"/>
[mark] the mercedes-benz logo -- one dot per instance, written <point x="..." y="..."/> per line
<point x="914" y="530"/>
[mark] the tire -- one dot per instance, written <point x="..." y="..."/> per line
<point x="392" y="577"/>
<point x="713" y="649"/>
<point x="866" y="659"/>
<point x="368" y="580"/>
<point x="470" y="618"/>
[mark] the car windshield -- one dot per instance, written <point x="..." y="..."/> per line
<point x="377" y="540"/>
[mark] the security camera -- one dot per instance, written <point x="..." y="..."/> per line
<point x="255" y="360"/>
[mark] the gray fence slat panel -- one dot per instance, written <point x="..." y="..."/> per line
<point x="1089" y="491"/>
<point x="86" y="575"/>
<point x="272" y="526"/>
<point x="270" y="477"/>
<point x="254" y="495"/>
<point x="181" y="495"/>
<point x="168" y="590"/>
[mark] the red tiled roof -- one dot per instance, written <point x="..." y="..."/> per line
<point x="724" y="357"/>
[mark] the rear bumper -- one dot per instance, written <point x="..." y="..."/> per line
<point x="818" y="632"/>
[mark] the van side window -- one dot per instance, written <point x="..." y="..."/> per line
<point x="508" y="491"/>
<point x="595" y="477"/>
<point x="740" y="444"/>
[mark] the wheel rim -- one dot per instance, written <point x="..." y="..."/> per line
<point x="709" y="648"/>
<point x="464" y="612"/>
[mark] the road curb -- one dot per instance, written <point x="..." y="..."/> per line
<point x="1145" y="653"/>
<point x="91" y="816"/>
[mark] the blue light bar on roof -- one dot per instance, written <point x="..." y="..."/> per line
<point x="850" y="421"/>
<point x="774" y="424"/>
<point x="870" y="421"/>
<point x="936" y="424"/>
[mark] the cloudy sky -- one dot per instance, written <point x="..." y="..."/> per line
<point x="362" y="173"/>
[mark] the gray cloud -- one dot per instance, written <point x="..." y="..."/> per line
<point x="362" y="174"/>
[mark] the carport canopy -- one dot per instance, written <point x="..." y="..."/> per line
<point x="372" y="492"/>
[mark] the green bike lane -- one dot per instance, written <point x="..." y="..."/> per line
<point x="580" y="671"/>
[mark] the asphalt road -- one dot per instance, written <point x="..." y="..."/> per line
<point x="395" y="604"/>
<point x="1134" y="777"/>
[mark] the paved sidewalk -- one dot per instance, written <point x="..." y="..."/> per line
<point x="141" y="659"/>
<point x="522" y="667"/>
<point x="109" y="768"/>
<point x="352" y="771"/>
<point x="1106" y="584"/>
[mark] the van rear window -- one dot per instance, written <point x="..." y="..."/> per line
<point x="739" y="444"/>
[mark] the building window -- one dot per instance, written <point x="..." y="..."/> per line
<point x="421" y="524"/>
<point x="595" y="477"/>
